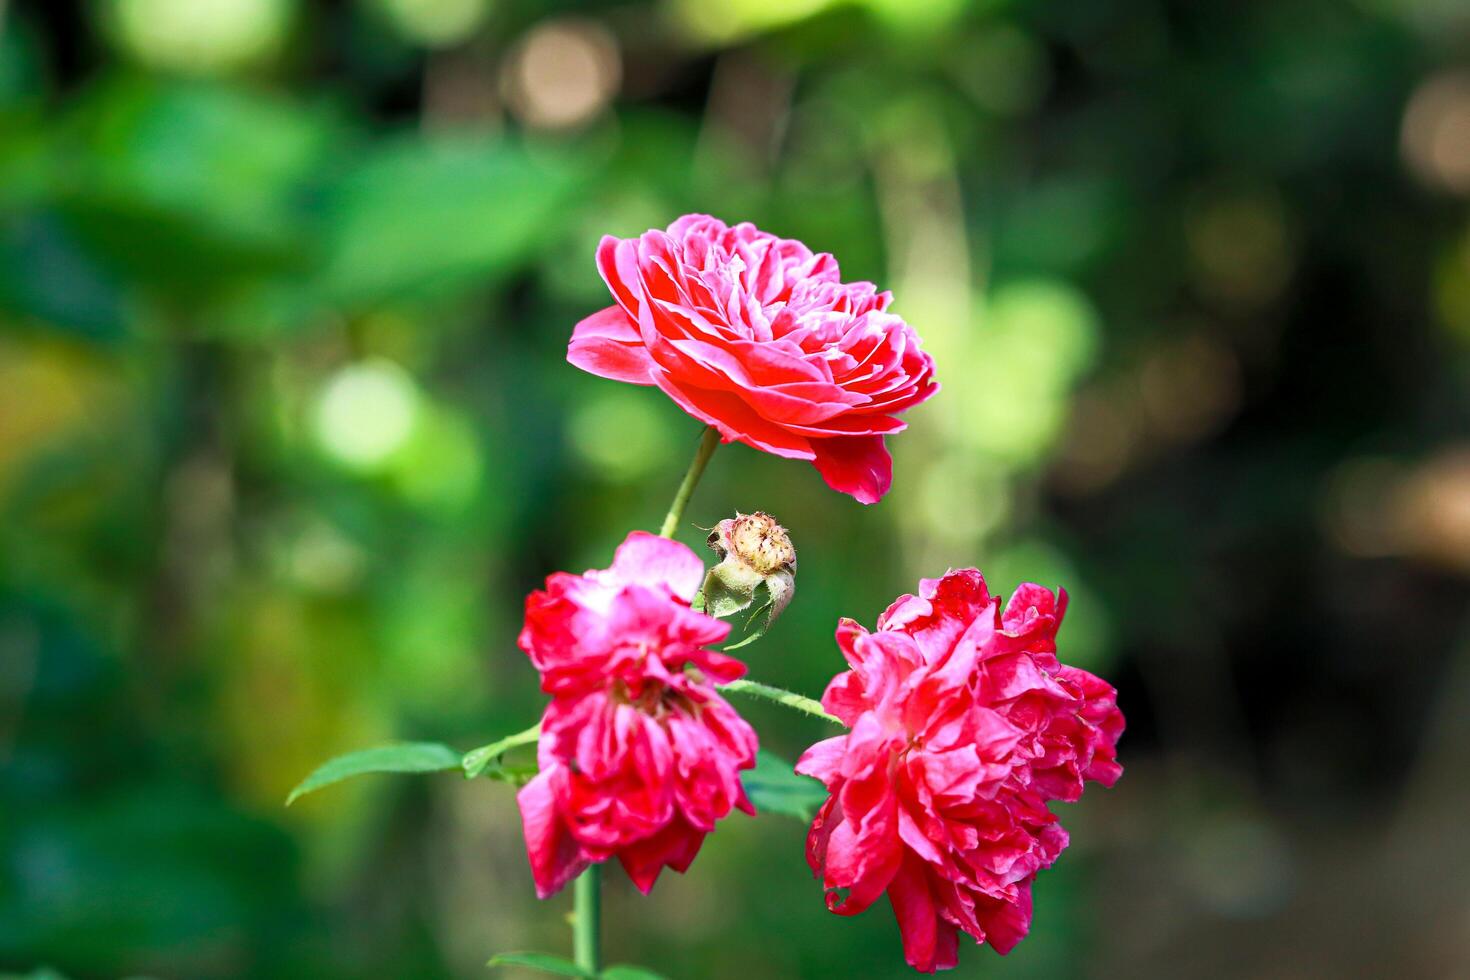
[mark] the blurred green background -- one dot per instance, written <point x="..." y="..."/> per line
<point x="286" y="434"/>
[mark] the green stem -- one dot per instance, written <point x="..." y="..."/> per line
<point x="780" y="696"/>
<point x="707" y="446"/>
<point x="587" y="894"/>
<point x="586" y="919"/>
<point x="478" y="760"/>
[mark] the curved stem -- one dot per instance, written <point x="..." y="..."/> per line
<point x="586" y="919"/>
<point x="780" y="696"/>
<point x="707" y="445"/>
<point x="478" y="760"/>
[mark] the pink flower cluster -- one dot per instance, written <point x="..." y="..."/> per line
<point x="638" y="757"/>
<point x="964" y="726"/>
<point x="759" y="337"/>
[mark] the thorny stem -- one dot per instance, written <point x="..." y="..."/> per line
<point x="780" y="696"/>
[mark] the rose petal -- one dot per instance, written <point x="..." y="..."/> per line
<point x="647" y="559"/>
<point x="855" y="465"/>
<point x="555" y="857"/>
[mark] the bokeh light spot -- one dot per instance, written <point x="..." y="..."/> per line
<point x="200" y="35"/>
<point x="440" y="466"/>
<point x="1433" y="509"/>
<point x="621" y="435"/>
<point x="436" y="23"/>
<point x="1239" y="248"/>
<point x="1037" y="336"/>
<point x="1435" y="139"/>
<point x="731" y="19"/>
<point x="563" y="73"/>
<point x="365" y="413"/>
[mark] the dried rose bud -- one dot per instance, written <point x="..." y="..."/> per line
<point x="755" y="553"/>
<point x="757" y="540"/>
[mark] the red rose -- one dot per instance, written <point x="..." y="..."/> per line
<point x="758" y="337"/>
<point x="638" y="757"/>
<point x="963" y="727"/>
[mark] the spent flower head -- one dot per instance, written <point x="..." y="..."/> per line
<point x="964" y="728"/>
<point x="639" y="754"/>
<point x="756" y="556"/>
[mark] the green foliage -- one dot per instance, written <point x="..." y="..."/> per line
<point x="419" y="757"/>
<point x="407" y="757"/>
<point x="189" y="186"/>
<point x="774" y="787"/>
<point x="418" y="218"/>
<point x="1120" y="229"/>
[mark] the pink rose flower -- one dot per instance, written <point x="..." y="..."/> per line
<point x="760" y="338"/>
<point x="963" y="726"/>
<point x="638" y="757"/>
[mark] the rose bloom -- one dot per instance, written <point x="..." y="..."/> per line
<point x="638" y="758"/>
<point x="963" y="726"/>
<point x="760" y="338"/>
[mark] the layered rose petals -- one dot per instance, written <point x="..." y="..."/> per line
<point x="759" y="337"/>
<point x="638" y="757"/>
<point x="963" y="727"/>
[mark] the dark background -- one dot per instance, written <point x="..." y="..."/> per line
<point x="286" y="434"/>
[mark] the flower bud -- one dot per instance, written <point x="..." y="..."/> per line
<point x="756" y="540"/>
<point x="755" y="553"/>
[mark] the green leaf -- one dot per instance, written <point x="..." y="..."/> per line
<point x="755" y="626"/>
<point x="430" y="216"/>
<point x="189" y="185"/>
<point x="769" y="598"/>
<point x="775" y="787"/>
<point x="403" y="757"/>
<point x="477" y="761"/>
<point x="544" y="962"/>
<point x="729" y="588"/>
<point x="623" y="972"/>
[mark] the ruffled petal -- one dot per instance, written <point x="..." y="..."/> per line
<point x="675" y="846"/>
<point x="647" y="559"/>
<point x="735" y="420"/>
<point x="639" y="756"/>
<point x="824" y="760"/>
<point x="759" y="337"/>
<point x="858" y="466"/>
<point x="555" y="857"/>
<point x="918" y="920"/>
<point x="965" y="728"/>
<point x="607" y="344"/>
